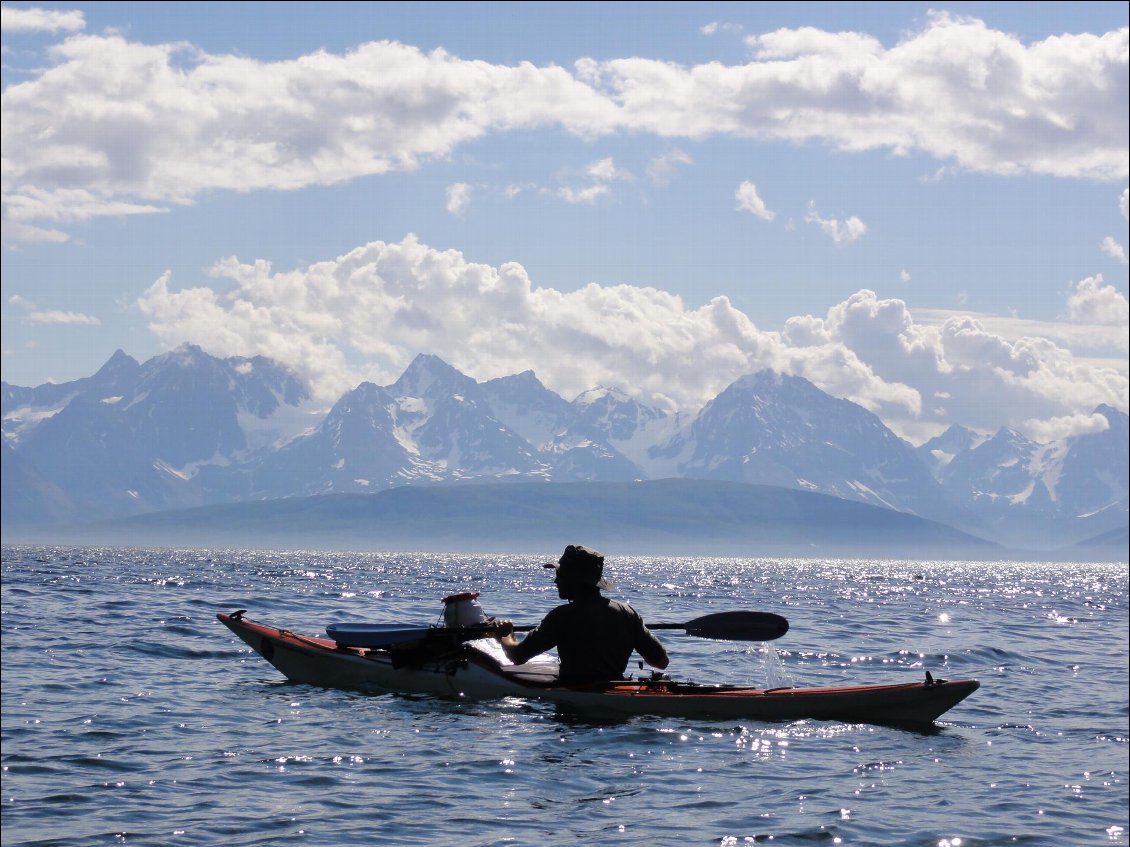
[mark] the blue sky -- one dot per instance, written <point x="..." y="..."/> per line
<point x="920" y="207"/>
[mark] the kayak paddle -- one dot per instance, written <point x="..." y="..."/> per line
<point x="724" y="626"/>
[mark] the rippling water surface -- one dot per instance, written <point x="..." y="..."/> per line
<point x="130" y="715"/>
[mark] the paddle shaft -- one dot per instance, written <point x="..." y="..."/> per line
<point x="529" y="627"/>
<point x="726" y="626"/>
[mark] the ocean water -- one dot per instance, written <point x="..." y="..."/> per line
<point x="131" y="716"/>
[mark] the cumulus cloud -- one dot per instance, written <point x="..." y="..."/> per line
<point x="366" y="314"/>
<point x="149" y="125"/>
<point x="1094" y="302"/>
<point x="40" y="20"/>
<point x="749" y="201"/>
<point x="160" y="124"/>
<point x="458" y="198"/>
<point x="1104" y="340"/>
<point x="1065" y="426"/>
<point x="841" y="232"/>
<point x="1113" y="249"/>
<point x="1123" y="202"/>
<point x="904" y="275"/>
<point x="978" y="377"/>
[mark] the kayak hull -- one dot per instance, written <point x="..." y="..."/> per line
<point x="467" y="673"/>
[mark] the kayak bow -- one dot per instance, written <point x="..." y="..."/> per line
<point x="444" y="666"/>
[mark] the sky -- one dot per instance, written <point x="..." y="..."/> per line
<point x="919" y="207"/>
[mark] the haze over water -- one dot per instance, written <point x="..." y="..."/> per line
<point x="131" y="716"/>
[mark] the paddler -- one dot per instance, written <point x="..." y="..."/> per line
<point x="594" y="636"/>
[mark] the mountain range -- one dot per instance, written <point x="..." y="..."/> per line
<point x="186" y="430"/>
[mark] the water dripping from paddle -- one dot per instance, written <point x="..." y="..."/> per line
<point x="776" y="675"/>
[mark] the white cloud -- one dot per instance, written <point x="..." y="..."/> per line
<point x="40" y="20"/>
<point x="582" y="195"/>
<point x="59" y="317"/>
<point x="1123" y="202"/>
<point x="715" y="27"/>
<point x="1113" y="249"/>
<point x="36" y="316"/>
<point x="1109" y="340"/>
<point x="366" y="314"/>
<point x="1093" y="302"/>
<point x="458" y="198"/>
<point x="984" y="379"/>
<point x="66" y="205"/>
<point x="1065" y="426"/>
<point x="749" y="201"/>
<point x="606" y="171"/>
<point x="904" y="275"/>
<point x="600" y="174"/>
<point x="12" y="233"/>
<point x="841" y="232"/>
<point x="662" y="168"/>
<point x="160" y="124"/>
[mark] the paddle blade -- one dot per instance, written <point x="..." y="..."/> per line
<point x="738" y="626"/>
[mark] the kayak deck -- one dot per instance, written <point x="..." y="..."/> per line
<point x="458" y="670"/>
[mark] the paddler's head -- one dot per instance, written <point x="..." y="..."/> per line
<point x="580" y="572"/>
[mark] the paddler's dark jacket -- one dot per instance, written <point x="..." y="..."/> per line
<point x="594" y="637"/>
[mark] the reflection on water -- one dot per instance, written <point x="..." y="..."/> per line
<point x="131" y="716"/>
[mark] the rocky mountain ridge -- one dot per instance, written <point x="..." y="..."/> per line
<point x="187" y="429"/>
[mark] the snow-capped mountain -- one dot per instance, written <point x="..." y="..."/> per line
<point x="632" y="428"/>
<point x="939" y="451"/>
<point x="782" y="430"/>
<point x="1093" y="475"/>
<point x="133" y="438"/>
<point x="1077" y="477"/>
<point x="354" y="448"/>
<point x="572" y="447"/>
<point x="1004" y="470"/>
<point x="448" y="420"/>
<point x="434" y="425"/>
<point x="186" y="428"/>
<point x="24" y="408"/>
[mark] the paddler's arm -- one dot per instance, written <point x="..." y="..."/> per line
<point x="654" y="654"/>
<point x="504" y="634"/>
<point x="650" y="647"/>
<point x="518" y="652"/>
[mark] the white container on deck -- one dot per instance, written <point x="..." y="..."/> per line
<point x="463" y="610"/>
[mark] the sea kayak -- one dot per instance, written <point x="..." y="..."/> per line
<point x="447" y="667"/>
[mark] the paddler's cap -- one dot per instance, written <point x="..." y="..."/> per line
<point x="581" y="565"/>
